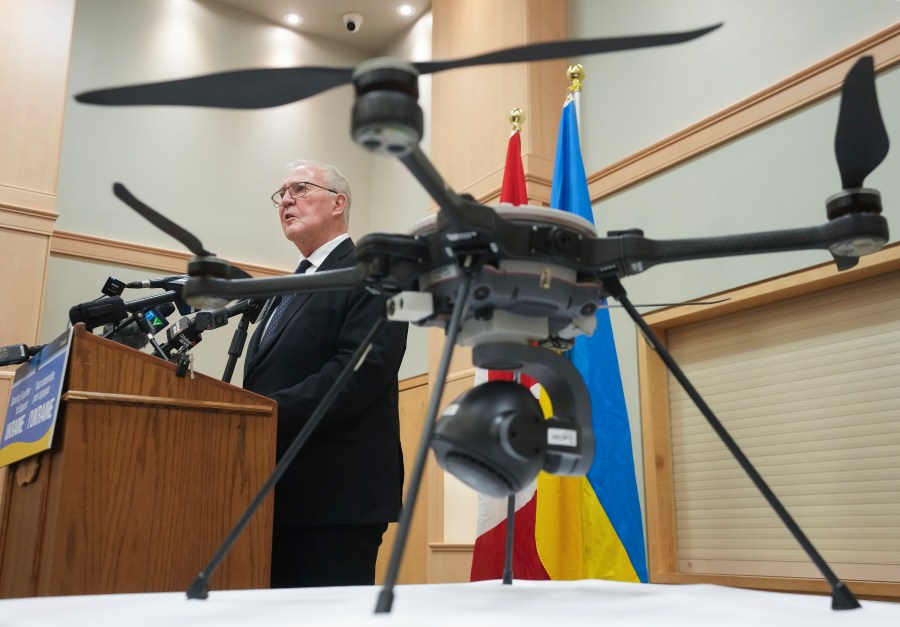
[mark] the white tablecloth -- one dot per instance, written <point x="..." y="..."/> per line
<point x="525" y="603"/>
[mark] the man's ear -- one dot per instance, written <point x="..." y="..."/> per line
<point x="340" y="203"/>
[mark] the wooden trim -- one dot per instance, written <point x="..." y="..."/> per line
<point x="81" y="396"/>
<point x="89" y="247"/>
<point x="25" y="219"/>
<point x="659" y="483"/>
<point x="445" y="547"/>
<point x="812" y="279"/>
<point x="795" y="92"/>
<point x="879" y="590"/>
<point x="460" y="374"/>
<point x="414" y="382"/>
<point x="656" y="422"/>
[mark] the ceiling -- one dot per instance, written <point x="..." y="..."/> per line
<point x="381" y="24"/>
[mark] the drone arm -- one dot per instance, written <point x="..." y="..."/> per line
<point x="230" y="289"/>
<point x="426" y="174"/>
<point x="852" y="235"/>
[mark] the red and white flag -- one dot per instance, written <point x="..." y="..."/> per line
<point x="490" y="543"/>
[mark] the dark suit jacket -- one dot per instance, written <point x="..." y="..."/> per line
<point x="351" y="469"/>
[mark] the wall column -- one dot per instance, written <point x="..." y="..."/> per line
<point x="470" y="130"/>
<point x="35" y="37"/>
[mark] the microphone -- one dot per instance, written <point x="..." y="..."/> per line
<point x="186" y="333"/>
<point x="135" y="335"/>
<point x="175" y="283"/>
<point x="113" y="309"/>
<point x="166" y="282"/>
<point x="251" y="307"/>
<point x="18" y="353"/>
<point x="129" y="335"/>
<point x="113" y="287"/>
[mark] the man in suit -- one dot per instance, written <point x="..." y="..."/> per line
<point x="334" y="502"/>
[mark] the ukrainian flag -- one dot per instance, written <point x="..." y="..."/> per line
<point x="590" y="527"/>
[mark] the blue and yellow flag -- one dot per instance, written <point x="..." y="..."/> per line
<point x="590" y="527"/>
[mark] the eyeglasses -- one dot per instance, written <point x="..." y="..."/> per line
<point x="296" y="190"/>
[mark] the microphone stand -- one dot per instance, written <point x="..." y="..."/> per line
<point x="199" y="589"/>
<point x="252" y="307"/>
<point x="841" y="596"/>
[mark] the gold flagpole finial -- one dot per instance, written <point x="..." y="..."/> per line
<point x="517" y="118"/>
<point x="576" y="77"/>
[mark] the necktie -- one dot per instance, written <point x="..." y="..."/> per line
<point x="281" y="308"/>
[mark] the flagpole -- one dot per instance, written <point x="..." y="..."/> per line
<point x="575" y="74"/>
<point x="516" y="118"/>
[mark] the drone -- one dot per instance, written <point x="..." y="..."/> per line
<point x="517" y="284"/>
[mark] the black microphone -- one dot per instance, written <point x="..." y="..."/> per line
<point x="167" y="282"/>
<point x="113" y="309"/>
<point x="18" y="353"/>
<point x="113" y="287"/>
<point x="175" y="283"/>
<point x="251" y="307"/>
<point x="186" y="333"/>
<point x="130" y="333"/>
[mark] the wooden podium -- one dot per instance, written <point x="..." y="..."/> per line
<point x="147" y="474"/>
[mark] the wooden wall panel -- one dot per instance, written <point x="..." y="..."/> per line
<point x="413" y="404"/>
<point x="677" y="553"/>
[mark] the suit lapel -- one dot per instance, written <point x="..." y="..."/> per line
<point x="294" y="307"/>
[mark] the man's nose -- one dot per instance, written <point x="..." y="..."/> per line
<point x="287" y="200"/>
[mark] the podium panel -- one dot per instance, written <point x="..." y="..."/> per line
<point x="147" y="475"/>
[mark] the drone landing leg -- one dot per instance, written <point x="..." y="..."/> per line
<point x="200" y="587"/>
<point x="386" y="597"/>
<point x="841" y="596"/>
<point x="510" y="532"/>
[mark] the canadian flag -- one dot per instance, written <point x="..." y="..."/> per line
<point x="490" y="544"/>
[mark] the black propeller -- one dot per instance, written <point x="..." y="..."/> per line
<point x="860" y="144"/>
<point x="211" y="264"/>
<point x="262" y="88"/>
<point x="861" y="141"/>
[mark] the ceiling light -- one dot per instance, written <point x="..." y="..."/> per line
<point x="406" y="10"/>
<point x="293" y="19"/>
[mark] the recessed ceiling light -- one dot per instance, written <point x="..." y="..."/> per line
<point x="293" y="19"/>
<point x="405" y="10"/>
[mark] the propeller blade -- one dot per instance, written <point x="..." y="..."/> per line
<point x="161" y="222"/>
<point x="242" y="89"/>
<point x="262" y="88"/>
<point x="237" y="273"/>
<point x="861" y="141"/>
<point x="563" y="49"/>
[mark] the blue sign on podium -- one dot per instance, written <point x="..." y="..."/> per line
<point x="34" y="402"/>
